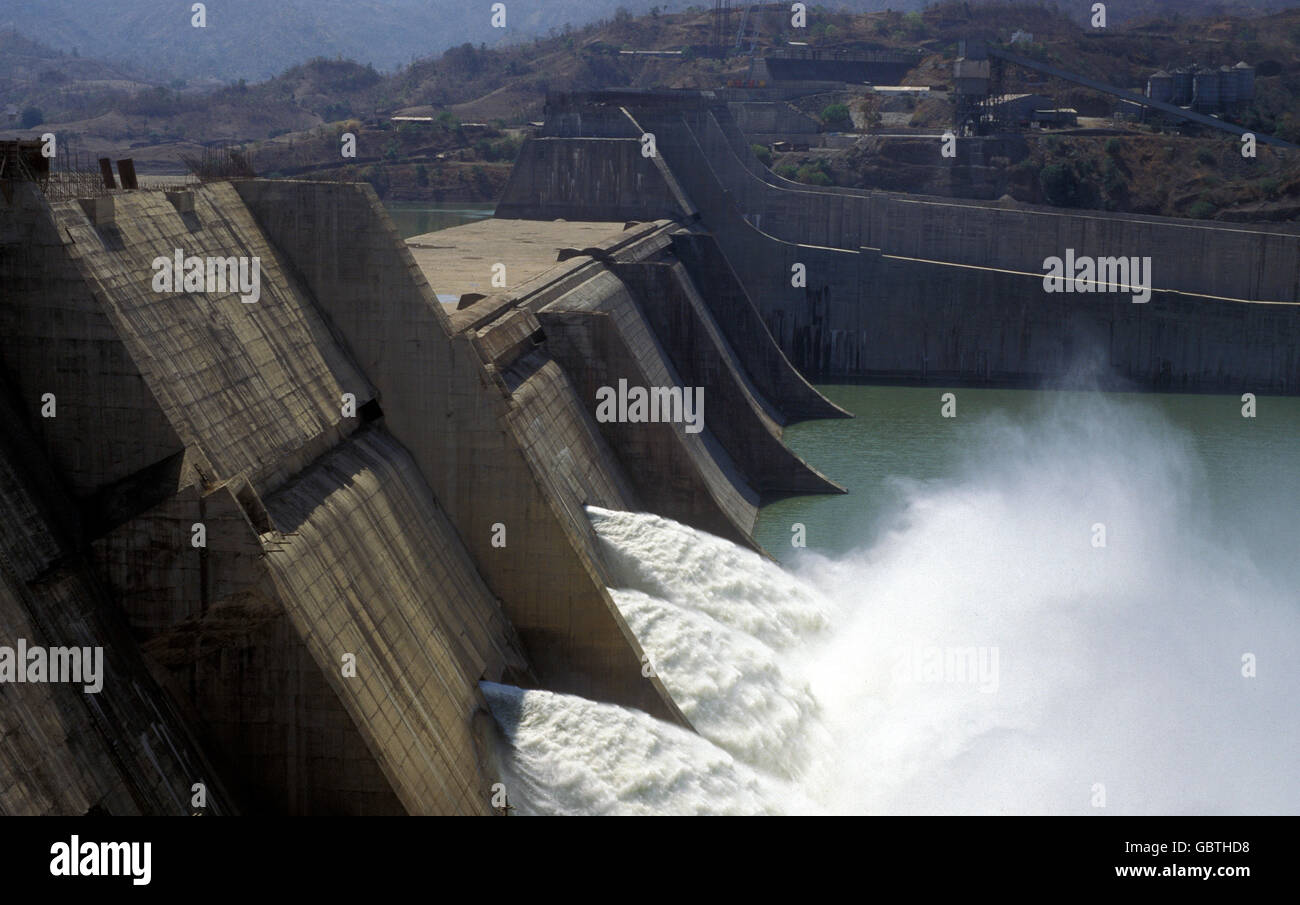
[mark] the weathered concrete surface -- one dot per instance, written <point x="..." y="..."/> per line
<point x="111" y="425"/>
<point x="953" y="290"/>
<point x="713" y="480"/>
<point x="462" y="258"/>
<point x="493" y="456"/>
<point x="368" y="566"/>
<point x="590" y="179"/>
<point x="764" y="122"/>
<point x="123" y="750"/>
<point x="319" y="540"/>
<point x="740" y="321"/>
<point x="257" y="387"/>
<point x="327" y="515"/>
<point x="600" y="336"/>
<point x="747" y="426"/>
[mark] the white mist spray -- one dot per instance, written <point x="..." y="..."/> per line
<point x="842" y="686"/>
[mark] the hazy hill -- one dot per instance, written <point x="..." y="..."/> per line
<point x="257" y="39"/>
<point x="292" y="121"/>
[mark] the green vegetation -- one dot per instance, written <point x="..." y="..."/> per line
<point x="378" y="178"/>
<point x="31" y="118"/>
<point x="837" y="115"/>
<point x="763" y="153"/>
<point x="815" y="172"/>
<point x="1113" y="180"/>
<point x="1060" y="185"/>
<point x="1288" y="128"/>
<point x="505" y="149"/>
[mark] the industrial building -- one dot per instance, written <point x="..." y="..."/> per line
<point x="1204" y="89"/>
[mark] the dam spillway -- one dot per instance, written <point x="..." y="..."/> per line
<point x="307" y="526"/>
<point x="305" y="529"/>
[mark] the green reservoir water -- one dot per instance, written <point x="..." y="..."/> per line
<point x="414" y="218"/>
<point x="1179" y="461"/>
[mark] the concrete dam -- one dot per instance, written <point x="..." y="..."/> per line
<point x="303" y="524"/>
<point x="928" y="289"/>
<point x="306" y="529"/>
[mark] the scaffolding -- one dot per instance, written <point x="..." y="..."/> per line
<point x="69" y="174"/>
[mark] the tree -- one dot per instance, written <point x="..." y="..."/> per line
<point x="836" y="114"/>
<point x="378" y="178"/>
<point x="1060" y="185"/>
<point x="915" y="25"/>
<point x="32" y="117"/>
<point x="815" y="172"/>
<point x="1288" y="128"/>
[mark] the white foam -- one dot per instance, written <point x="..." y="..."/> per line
<point x="1118" y="667"/>
<point x="573" y="756"/>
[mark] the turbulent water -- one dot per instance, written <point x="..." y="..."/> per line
<point x="984" y="653"/>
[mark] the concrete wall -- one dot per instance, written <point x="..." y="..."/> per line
<point x="587" y="179"/>
<point x="944" y="287"/>
<point x="767" y="116"/>
<point x="474" y="440"/>
<point x="1254" y="263"/>
<point x="737" y="415"/>
<point x="742" y="325"/>
<point x="368" y="566"/>
<point x="124" y="750"/>
<point x="323" y="537"/>
<point x="257" y="387"/>
<point x="361" y="562"/>
<point x="869" y="316"/>
<point x="56" y="338"/>
<point x="600" y="335"/>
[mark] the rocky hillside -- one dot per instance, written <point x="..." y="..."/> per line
<point x="479" y="100"/>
